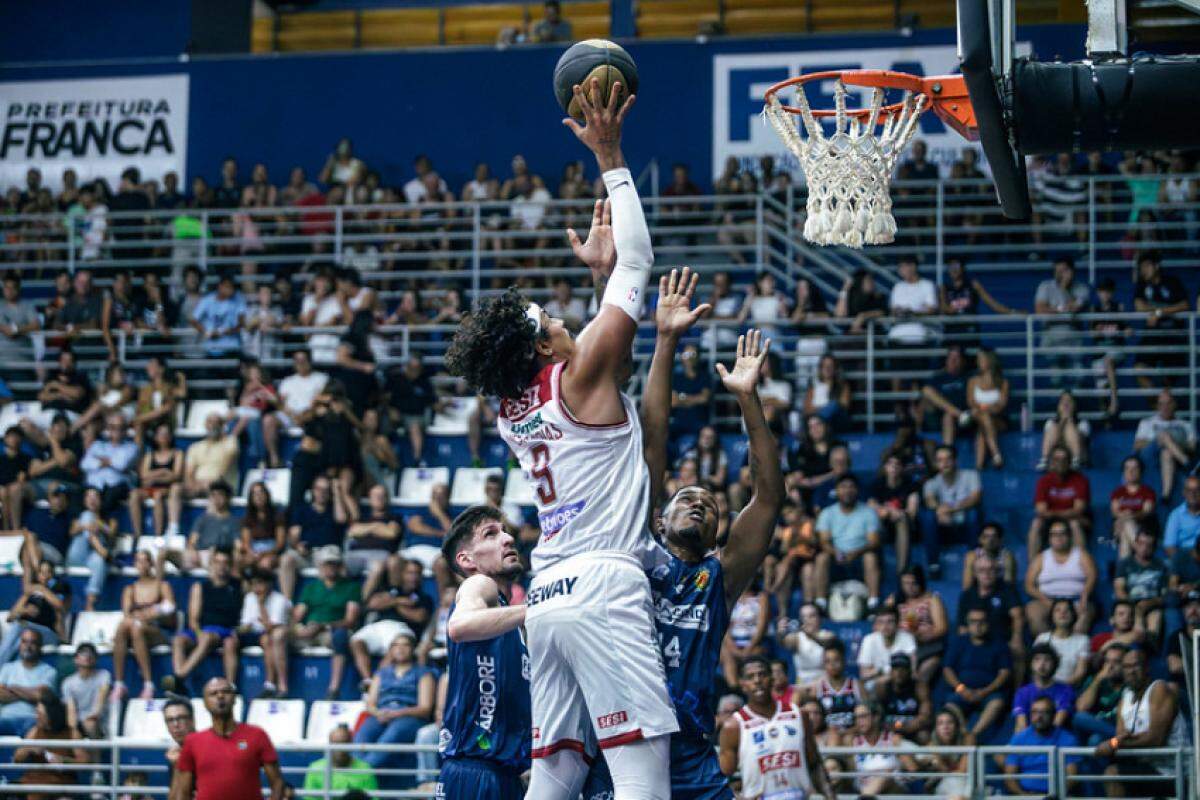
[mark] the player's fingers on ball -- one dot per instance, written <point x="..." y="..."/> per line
<point x="625" y="108"/>
<point x="597" y="101"/>
<point x="585" y="103"/>
<point x="614" y="97"/>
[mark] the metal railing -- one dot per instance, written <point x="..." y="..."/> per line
<point x="473" y="243"/>
<point x="1041" y="355"/>
<point x="137" y="767"/>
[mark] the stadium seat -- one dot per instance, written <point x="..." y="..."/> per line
<point x="283" y="720"/>
<point x="455" y="417"/>
<point x="204" y="719"/>
<point x="325" y="715"/>
<point x="424" y="553"/>
<point x="416" y="484"/>
<point x="278" y="481"/>
<point x="96" y="628"/>
<point x="518" y="489"/>
<point x="198" y="411"/>
<point x="469" y="482"/>
<point x="322" y="30"/>
<point x="10" y="552"/>
<point x="400" y="27"/>
<point x="144" y="720"/>
<point x="13" y="413"/>
<point x="480" y="24"/>
<point x="153" y="544"/>
<point x="660" y="18"/>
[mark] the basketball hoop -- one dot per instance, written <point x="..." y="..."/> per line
<point x="849" y="172"/>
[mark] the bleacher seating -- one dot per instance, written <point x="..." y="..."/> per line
<point x="416" y="484"/>
<point x="453" y="418"/>
<point x="144" y="720"/>
<point x="97" y="628"/>
<point x="278" y="481"/>
<point x="283" y="720"/>
<point x="198" y="412"/>
<point x="325" y="715"/>
<point x="468" y="486"/>
<point x="518" y="489"/>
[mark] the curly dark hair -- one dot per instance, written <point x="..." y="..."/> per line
<point x="493" y="349"/>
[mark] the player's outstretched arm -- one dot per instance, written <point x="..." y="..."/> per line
<point x="672" y="318"/>
<point x="605" y="343"/>
<point x="478" y="614"/>
<point x="751" y="532"/>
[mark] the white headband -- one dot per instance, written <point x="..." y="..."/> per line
<point x="533" y="312"/>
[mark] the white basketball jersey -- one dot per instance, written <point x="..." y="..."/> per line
<point x="771" y="755"/>
<point x="591" y="481"/>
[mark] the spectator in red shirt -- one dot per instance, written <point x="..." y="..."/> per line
<point x="222" y="763"/>
<point x="1132" y="504"/>
<point x="1062" y="493"/>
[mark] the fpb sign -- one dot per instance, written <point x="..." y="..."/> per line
<point x="741" y="80"/>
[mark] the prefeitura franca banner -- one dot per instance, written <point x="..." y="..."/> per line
<point x="96" y="127"/>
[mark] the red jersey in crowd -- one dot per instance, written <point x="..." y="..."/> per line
<point x="1132" y="502"/>
<point x="1060" y="494"/>
<point x="227" y="767"/>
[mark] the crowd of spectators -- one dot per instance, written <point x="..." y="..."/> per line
<point x="105" y="452"/>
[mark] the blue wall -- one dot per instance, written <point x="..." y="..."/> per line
<point x="71" y="30"/>
<point x="461" y="105"/>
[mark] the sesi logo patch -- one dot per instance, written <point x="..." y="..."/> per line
<point x="788" y="759"/>
<point x="612" y="720"/>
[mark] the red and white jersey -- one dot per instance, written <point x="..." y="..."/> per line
<point x="591" y="481"/>
<point x="771" y="755"/>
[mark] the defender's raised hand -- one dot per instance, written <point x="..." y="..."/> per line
<point x="751" y="353"/>
<point x="674" y="313"/>
<point x="599" y="251"/>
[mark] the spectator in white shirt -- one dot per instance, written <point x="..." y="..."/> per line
<point x="264" y="622"/>
<point x="878" y="647"/>
<point x="322" y="308"/>
<point x="1170" y="441"/>
<point x="571" y="310"/>
<point x="912" y="296"/>
<point x="298" y="390"/>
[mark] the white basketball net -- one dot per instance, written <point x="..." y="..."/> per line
<point x="848" y="172"/>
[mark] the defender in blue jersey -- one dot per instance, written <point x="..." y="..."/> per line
<point x="696" y="589"/>
<point x="485" y="737"/>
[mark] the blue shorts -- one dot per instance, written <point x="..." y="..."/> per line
<point x="220" y="630"/>
<point x="695" y="774"/>
<point x="469" y="779"/>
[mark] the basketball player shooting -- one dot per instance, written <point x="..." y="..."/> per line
<point x="597" y="677"/>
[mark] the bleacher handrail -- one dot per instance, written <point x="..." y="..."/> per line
<point x="977" y="773"/>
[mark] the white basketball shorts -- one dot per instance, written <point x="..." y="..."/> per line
<point x="597" y="673"/>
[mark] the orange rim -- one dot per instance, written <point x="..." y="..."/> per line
<point x="946" y="94"/>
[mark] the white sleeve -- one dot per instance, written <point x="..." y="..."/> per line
<point x="627" y="286"/>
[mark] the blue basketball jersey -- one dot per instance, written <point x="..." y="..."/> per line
<point x="487" y="705"/>
<point x="691" y="617"/>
